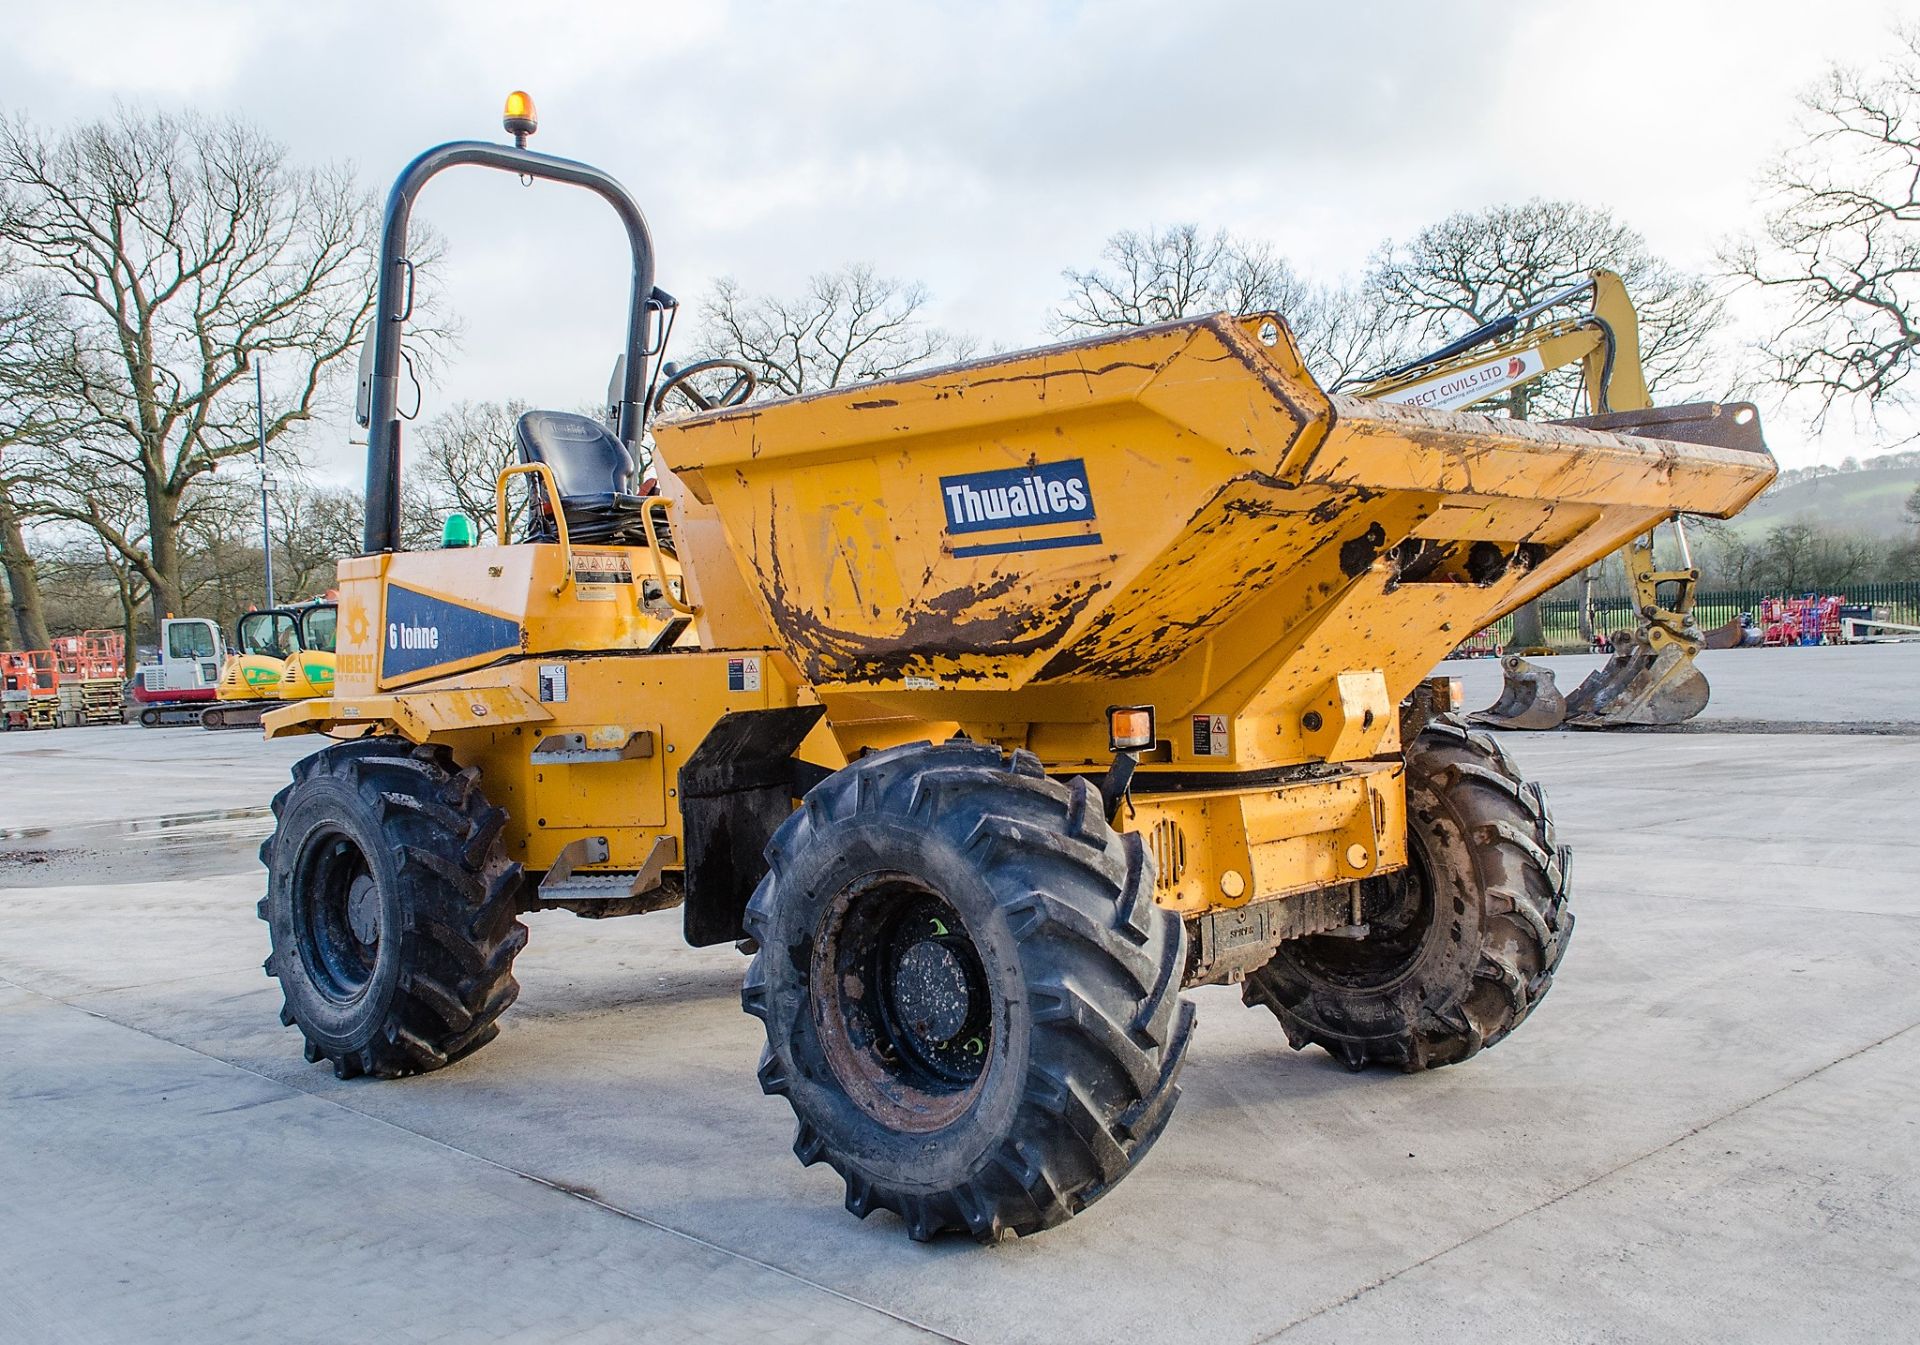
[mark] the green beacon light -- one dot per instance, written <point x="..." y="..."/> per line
<point x="457" y="531"/>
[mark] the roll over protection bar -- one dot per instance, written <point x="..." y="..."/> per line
<point x="394" y="304"/>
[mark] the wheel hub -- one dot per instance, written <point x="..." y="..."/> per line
<point x="930" y="994"/>
<point x="363" y="909"/>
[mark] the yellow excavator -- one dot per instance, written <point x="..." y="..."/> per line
<point x="280" y="654"/>
<point x="1650" y="677"/>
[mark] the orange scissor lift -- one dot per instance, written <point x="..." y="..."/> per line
<point x="91" y="672"/>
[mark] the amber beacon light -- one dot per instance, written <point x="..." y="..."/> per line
<point x="1130" y="728"/>
<point x="519" y="117"/>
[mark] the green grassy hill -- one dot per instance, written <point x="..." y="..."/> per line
<point x="1867" y="501"/>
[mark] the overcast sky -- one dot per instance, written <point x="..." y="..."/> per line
<point x="979" y="147"/>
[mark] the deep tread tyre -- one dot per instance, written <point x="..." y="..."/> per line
<point x="1463" y="947"/>
<point x="1073" y="975"/>
<point x="396" y="843"/>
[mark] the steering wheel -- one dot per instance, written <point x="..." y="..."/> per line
<point x="746" y="381"/>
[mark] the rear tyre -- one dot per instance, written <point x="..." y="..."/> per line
<point x="1462" y="944"/>
<point x="391" y="908"/>
<point x="971" y="1000"/>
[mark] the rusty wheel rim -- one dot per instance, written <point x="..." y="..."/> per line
<point x="902" y="1002"/>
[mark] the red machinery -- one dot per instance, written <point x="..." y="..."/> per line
<point x="92" y="666"/>
<point x="16" y="688"/>
<point x="1800" y="621"/>
<point x="1480" y="644"/>
<point x="29" y="689"/>
<point x="92" y="655"/>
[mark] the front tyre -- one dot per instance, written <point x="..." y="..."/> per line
<point x="1462" y="944"/>
<point x="391" y="908"/>
<point x="971" y="1000"/>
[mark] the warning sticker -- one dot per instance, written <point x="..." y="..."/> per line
<point x="1210" y="735"/>
<point x="553" y="682"/>
<point x="598" y="576"/>
<point x="743" y="674"/>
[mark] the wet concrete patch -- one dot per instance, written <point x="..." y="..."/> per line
<point x="148" y="849"/>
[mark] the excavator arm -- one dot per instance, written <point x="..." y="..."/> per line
<point x="1518" y="349"/>
<point x="1650" y="678"/>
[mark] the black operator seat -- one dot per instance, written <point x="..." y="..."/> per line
<point x="595" y="473"/>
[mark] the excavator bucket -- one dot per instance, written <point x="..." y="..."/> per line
<point x="1641" y="685"/>
<point x="1528" y="699"/>
<point x="1730" y="636"/>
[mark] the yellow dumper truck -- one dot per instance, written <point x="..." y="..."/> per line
<point x="987" y="708"/>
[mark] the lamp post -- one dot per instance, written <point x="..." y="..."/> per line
<point x="266" y="518"/>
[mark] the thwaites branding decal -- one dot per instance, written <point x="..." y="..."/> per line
<point x="743" y="674"/>
<point x="1463" y="386"/>
<point x="1042" y="496"/>
<point x="598" y="575"/>
<point x="424" y="632"/>
<point x="1210" y="735"/>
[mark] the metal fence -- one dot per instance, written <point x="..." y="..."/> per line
<point x="1561" y="618"/>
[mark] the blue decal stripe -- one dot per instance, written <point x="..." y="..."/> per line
<point x="1037" y="544"/>
<point x="423" y="631"/>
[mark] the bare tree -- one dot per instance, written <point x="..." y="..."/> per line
<point x="848" y="325"/>
<point x="33" y="359"/>
<point x="1475" y="266"/>
<point x="1804" y="554"/>
<point x="182" y="250"/>
<point x="1160" y="274"/>
<point x="458" y="457"/>
<point x="316" y="526"/>
<point x="1841" y="245"/>
<point x="1905" y="561"/>
<point x="27" y="628"/>
<point x="1180" y="271"/>
<point x="222" y="574"/>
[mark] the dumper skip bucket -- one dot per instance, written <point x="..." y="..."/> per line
<point x="1177" y="509"/>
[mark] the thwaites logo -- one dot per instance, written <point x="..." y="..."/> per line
<point x="1042" y="496"/>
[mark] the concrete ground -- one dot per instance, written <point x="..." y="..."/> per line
<point x="1710" y="1131"/>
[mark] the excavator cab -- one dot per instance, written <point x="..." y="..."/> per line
<point x="279" y="654"/>
<point x="308" y="670"/>
<point x="262" y="643"/>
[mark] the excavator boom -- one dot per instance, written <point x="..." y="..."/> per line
<point x="1650" y="678"/>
